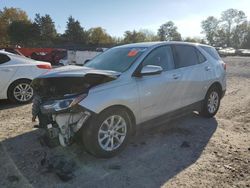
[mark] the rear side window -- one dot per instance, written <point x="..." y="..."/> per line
<point x="185" y="56"/>
<point x="200" y="56"/>
<point x="4" y="58"/>
<point x="161" y="56"/>
<point x="211" y="51"/>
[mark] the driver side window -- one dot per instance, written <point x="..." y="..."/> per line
<point x="161" y="56"/>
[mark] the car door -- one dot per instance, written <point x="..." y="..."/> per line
<point x="188" y="60"/>
<point x="158" y="94"/>
<point x="6" y="71"/>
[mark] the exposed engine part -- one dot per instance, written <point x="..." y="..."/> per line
<point x="65" y="139"/>
<point x="52" y="131"/>
<point x="80" y="123"/>
<point x="69" y="124"/>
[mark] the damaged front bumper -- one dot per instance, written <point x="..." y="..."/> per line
<point x="62" y="120"/>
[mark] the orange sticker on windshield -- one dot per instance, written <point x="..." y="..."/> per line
<point x="132" y="53"/>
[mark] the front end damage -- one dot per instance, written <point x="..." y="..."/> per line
<point x="64" y="125"/>
<point x="59" y="93"/>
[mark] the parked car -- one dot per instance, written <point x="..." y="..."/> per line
<point x="227" y="52"/>
<point x="12" y="50"/>
<point x="126" y="87"/>
<point x="53" y="57"/>
<point x="16" y="74"/>
<point x="243" y="52"/>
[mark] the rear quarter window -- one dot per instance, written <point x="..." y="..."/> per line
<point x="212" y="52"/>
<point x="185" y="56"/>
<point x="200" y="56"/>
<point x="4" y="59"/>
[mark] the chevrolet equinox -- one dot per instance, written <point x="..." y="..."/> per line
<point x="111" y="96"/>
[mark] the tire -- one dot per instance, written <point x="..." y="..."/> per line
<point x="96" y="134"/>
<point x="20" y="91"/>
<point x="211" y="103"/>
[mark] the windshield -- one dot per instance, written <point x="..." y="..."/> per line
<point x="116" y="59"/>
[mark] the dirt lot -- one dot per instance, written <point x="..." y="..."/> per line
<point x="188" y="152"/>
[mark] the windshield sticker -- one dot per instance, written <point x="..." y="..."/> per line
<point x="132" y="53"/>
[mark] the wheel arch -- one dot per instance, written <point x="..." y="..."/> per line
<point x="218" y="86"/>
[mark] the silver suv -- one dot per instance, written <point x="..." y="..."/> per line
<point x="127" y="87"/>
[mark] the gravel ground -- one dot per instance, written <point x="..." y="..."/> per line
<point x="188" y="152"/>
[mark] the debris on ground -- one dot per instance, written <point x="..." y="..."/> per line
<point x="59" y="165"/>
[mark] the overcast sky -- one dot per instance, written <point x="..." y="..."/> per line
<point x="117" y="16"/>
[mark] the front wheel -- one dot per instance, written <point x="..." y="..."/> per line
<point x="108" y="134"/>
<point x="211" y="103"/>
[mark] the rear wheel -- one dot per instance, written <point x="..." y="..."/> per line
<point x="211" y="103"/>
<point x="108" y="134"/>
<point x="20" y="91"/>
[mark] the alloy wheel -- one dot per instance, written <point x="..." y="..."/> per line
<point x="213" y="102"/>
<point x="23" y="92"/>
<point x="112" y="133"/>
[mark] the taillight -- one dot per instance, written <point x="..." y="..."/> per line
<point x="224" y="66"/>
<point x="44" y="66"/>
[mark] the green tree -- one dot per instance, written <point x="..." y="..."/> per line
<point x="75" y="32"/>
<point x="239" y="34"/>
<point x="230" y="19"/>
<point x="7" y="16"/>
<point x="221" y="38"/>
<point x="47" y="28"/>
<point x="134" y="36"/>
<point x="210" y="27"/>
<point x="246" y="41"/>
<point x="99" y="36"/>
<point x="230" y="30"/>
<point x="168" y="32"/>
<point x="149" y="35"/>
<point x="117" y="40"/>
<point x="23" y="33"/>
<point x="194" y="40"/>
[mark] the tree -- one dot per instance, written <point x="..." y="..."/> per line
<point x="230" y="30"/>
<point x="99" y="36"/>
<point x="23" y="33"/>
<point x="210" y="27"/>
<point x="133" y="37"/>
<point x="168" y="32"/>
<point x="246" y="41"/>
<point x="47" y="28"/>
<point x="239" y="34"/>
<point x="230" y="19"/>
<point x="7" y="16"/>
<point x="149" y="35"/>
<point x="194" y="40"/>
<point x="221" y="38"/>
<point x="74" y="31"/>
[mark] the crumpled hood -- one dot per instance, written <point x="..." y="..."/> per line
<point x="77" y="71"/>
<point x="69" y="80"/>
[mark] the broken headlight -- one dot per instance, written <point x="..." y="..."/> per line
<point x="62" y="104"/>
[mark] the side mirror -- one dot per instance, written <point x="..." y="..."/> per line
<point x="150" y="70"/>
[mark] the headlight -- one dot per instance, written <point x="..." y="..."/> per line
<point x="63" y="104"/>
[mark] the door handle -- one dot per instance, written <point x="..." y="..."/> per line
<point x="207" y="68"/>
<point x="176" y="76"/>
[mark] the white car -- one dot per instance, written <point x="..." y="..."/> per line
<point x="16" y="74"/>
